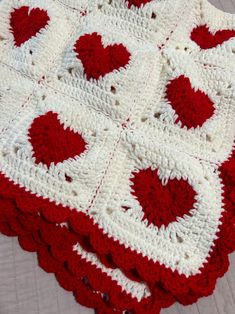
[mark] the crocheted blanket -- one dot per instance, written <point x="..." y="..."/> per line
<point x="117" y="124"/>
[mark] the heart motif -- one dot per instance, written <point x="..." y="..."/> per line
<point x="98" y="60"/>
<point x="26" y="23"/>
<point x="162" y="204"/>
<point x="202" y="36"/>
<point x="193" y="107"/>
<point x="137" y="3"/>
<point x="52" y="142"/>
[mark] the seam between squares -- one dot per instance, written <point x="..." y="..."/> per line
<point x="43" y="84"/>
<point x="77" y="99"/>
<point x="125" y="123"/>
<point x="66" y="6"/>
<point x="34" y="88"/>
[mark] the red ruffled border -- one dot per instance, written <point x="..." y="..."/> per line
<point x="54" y="246"/>
<point x="170" y="286"/>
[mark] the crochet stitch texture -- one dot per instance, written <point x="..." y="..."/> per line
<point x="117" y="162"/>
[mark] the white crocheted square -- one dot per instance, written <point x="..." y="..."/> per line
<point x="191" y="87"/>
<point x="204" y="14"/>
<point x="36" y="53"/>
<point x="73" y="181"/>
<point x="153" y="21"/>
<point x="117" y="92"/>
<point x="121" y="207"/>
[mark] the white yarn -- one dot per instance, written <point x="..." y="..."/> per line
<point x="120" y="128"/>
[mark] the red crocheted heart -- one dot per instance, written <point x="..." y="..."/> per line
<point x="98" y="60"/>
<point x="52" y="142"/>
<point x="137" y="3"/>
<point x="193" y="107"/>
<point x="206" y="39"/>
<point x="162" y="204"/>
<point x="26" y="23"/>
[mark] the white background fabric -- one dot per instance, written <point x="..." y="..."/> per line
<point x="27" y="289"/>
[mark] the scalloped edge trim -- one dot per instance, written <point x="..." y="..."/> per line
<point x="54" y="247"/>
<point x="185" y="290"/>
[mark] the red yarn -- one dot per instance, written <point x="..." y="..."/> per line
<point x="185" y="290"/>
<point x="206" y="39"/>
<point x="162" y="204"/>
<point x="98" y="60"/>
<point x="54" y="245"/>
<point x="52" y="142"/>
<point x="34" y="219"/>
<point x="26" y="23"/>
<point x="137" y="3"/>
<point x="192" y="107"/>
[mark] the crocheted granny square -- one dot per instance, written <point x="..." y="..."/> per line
<point x="126" y="66"/>
<point x="117" y="160"/>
